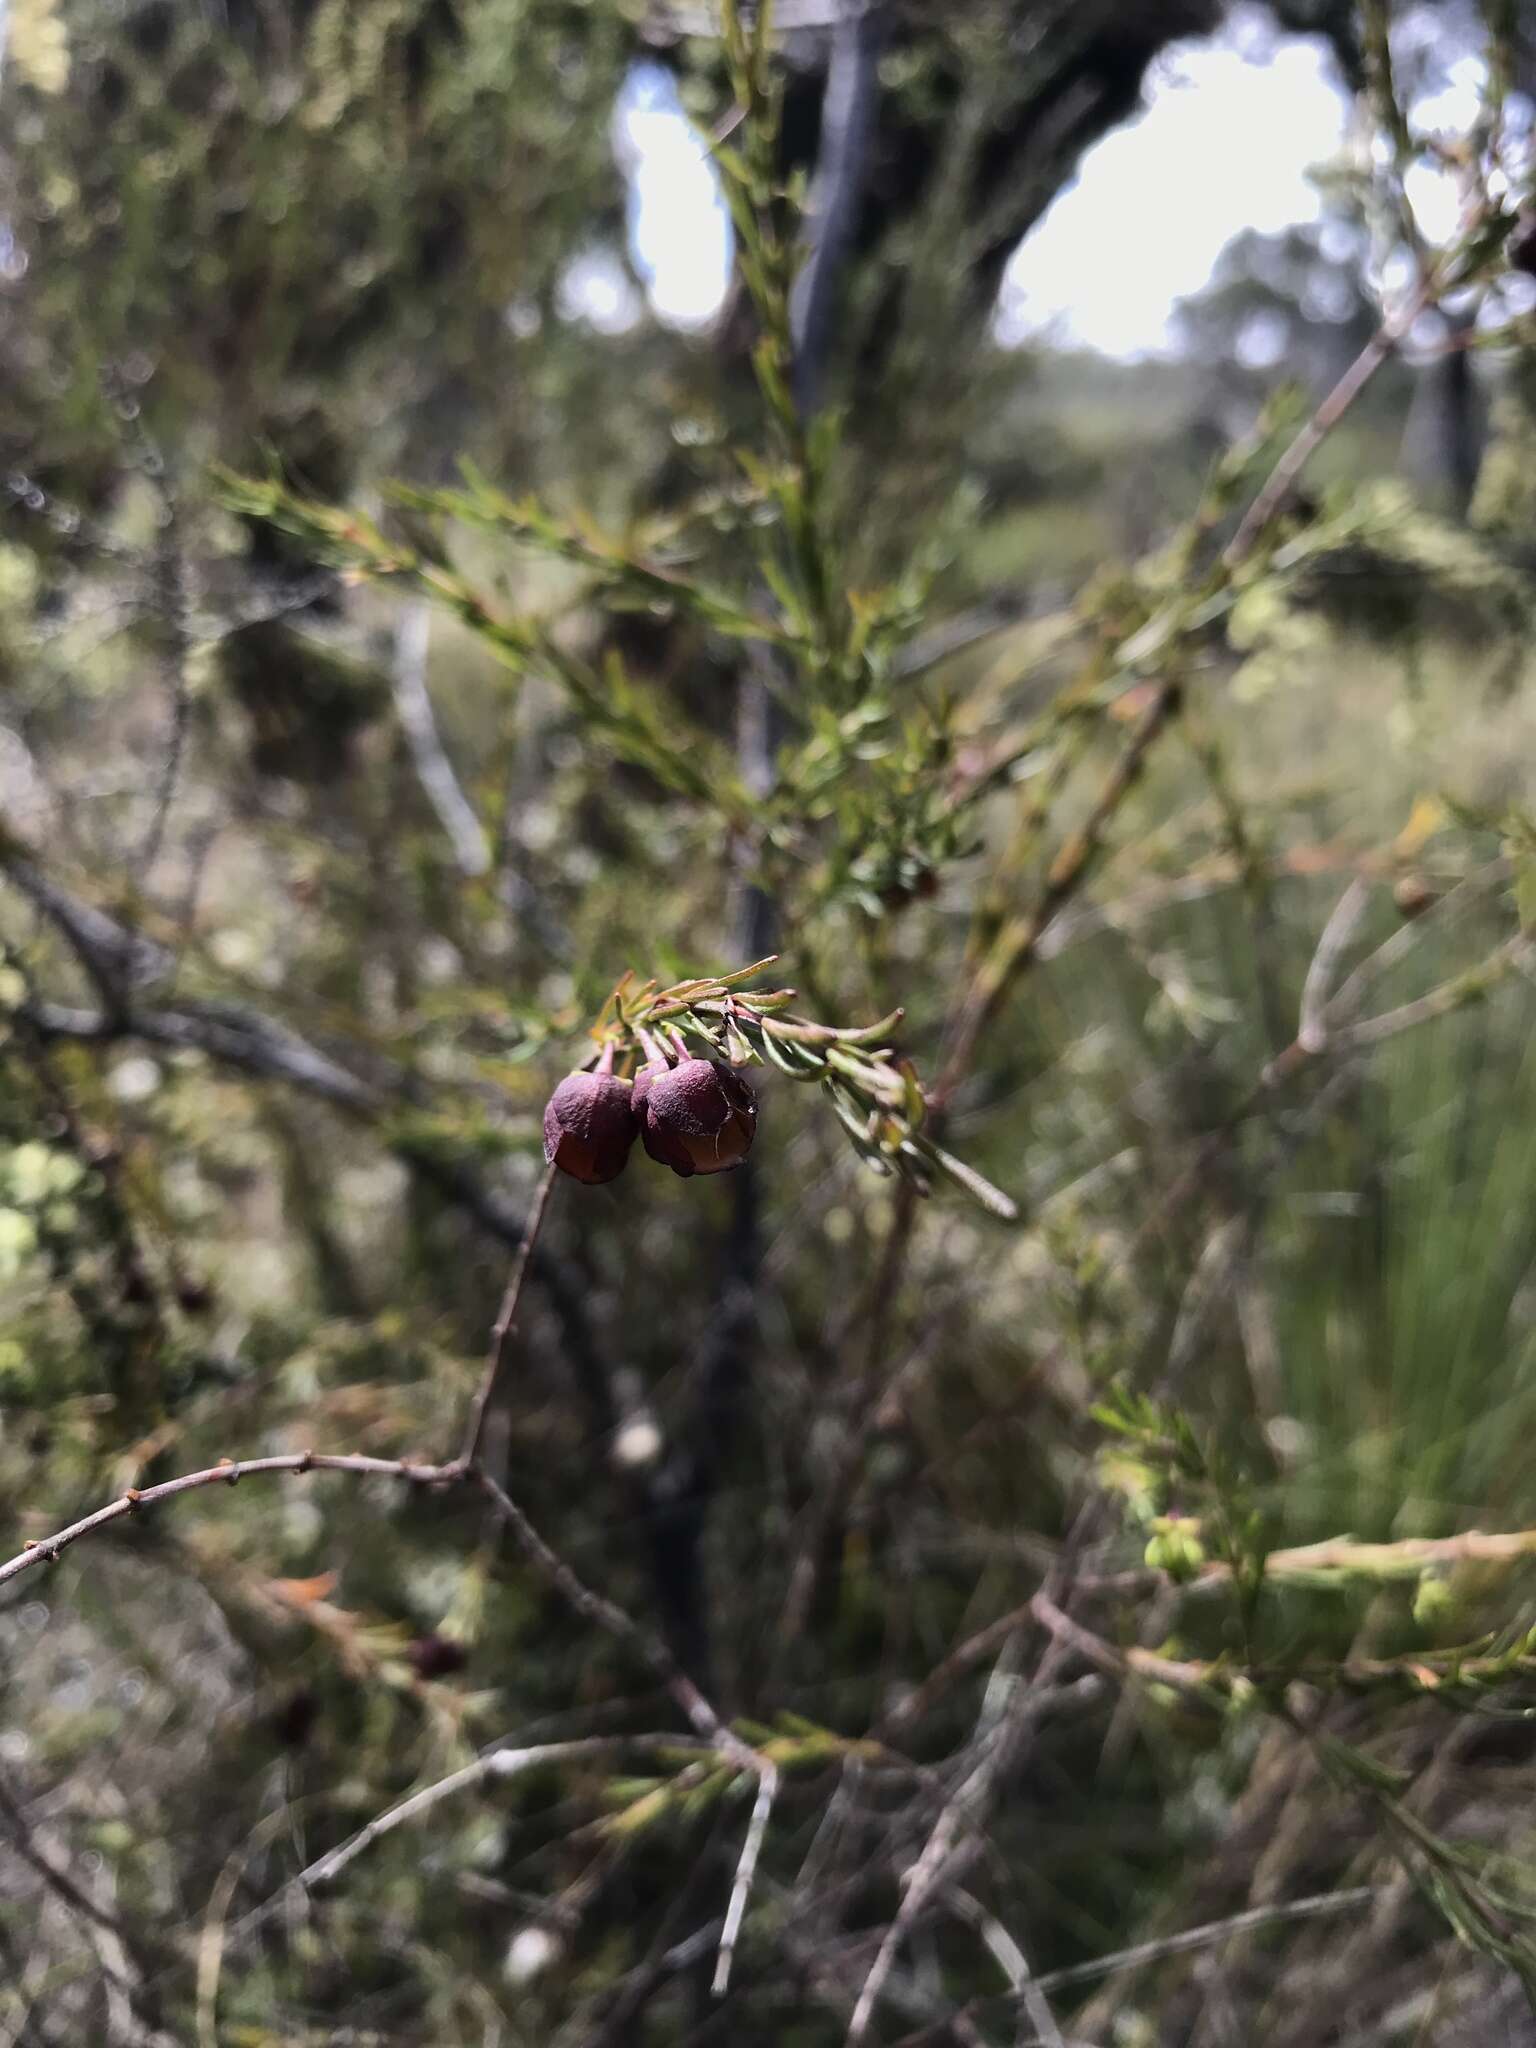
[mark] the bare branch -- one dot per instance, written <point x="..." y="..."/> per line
<point x="228" y="1472"/>
<point x="847" y="115"/>
<point x="122" y="1981"/>
<point x="1381" y="346"/>
<point x="503" y="1761"/>
<point x="115" y="957"/>
<point x="1013" y="1962"/>
<point x="595" y="1607"/>
<point x="475" y="1428"/>
<point x="746" y="1870"/>
<point x="1133" y="1663"/>
<point x="920" y="1881"/>
<point x="1312" y="1031"/>
<point x="1450" y="995"/>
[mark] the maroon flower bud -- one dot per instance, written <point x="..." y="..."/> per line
<point x="657" y="1065"/>
<point x="589" y="1125"/>
<point x="697" y="1117"/>
<point x="434" y="1656"/>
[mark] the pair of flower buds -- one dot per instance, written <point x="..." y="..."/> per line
<point x="694" y="1115"/>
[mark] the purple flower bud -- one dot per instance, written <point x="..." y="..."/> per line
<point x="697" y="1117"/>
<point x="589" y="1126"/>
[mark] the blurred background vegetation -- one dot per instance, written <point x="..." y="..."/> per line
<point x="836" y="622"/>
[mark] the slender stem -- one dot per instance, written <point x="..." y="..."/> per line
<point x="1450" y="995"/>
<point x="1321" y="1905"/>
<point x="919" y="1881"/>
<point x="746" y="1870"/>
<point x="1277" y="487"/>
<point x="595" y="1607"/>
<point x="53" y="1875"/>
<point x="1312" y="1031"/>
<point x="522" y="1259"/>
<point x="506" y="1760"/>
<point x="228" y="1472"/>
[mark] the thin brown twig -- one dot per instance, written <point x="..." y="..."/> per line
<point x="589" y="1605"/>
<point x="1007" y="1710"/>
<point x="1277" y="486"/>
<point x="228" y="1472"/>
<point x="552" y="1567"/>
<point x="1133" y="1663"/>
<point x="1211" y="1681"/>
<point x="500" y="1760"/>
<point x="964" y="1658"/>
<point x="596" y="1607"/>
<point x="123" y="1981"/>
<point x="522" y="1259"/>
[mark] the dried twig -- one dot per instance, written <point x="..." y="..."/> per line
<point x="1277" y="488"/>
<point x="1026" y="1987"/>
<point x="1312" y="1030"/>
<point x="746" y="1870"/>
<point x="228" y="1472"/>
<point x="505" y="1760"/>
<point x="507" y="1315"/>
<point x="919" y="1883"/>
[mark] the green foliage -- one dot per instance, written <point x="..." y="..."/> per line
<point x="1090" y="1538"/>
<point x="299" y="223"/>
